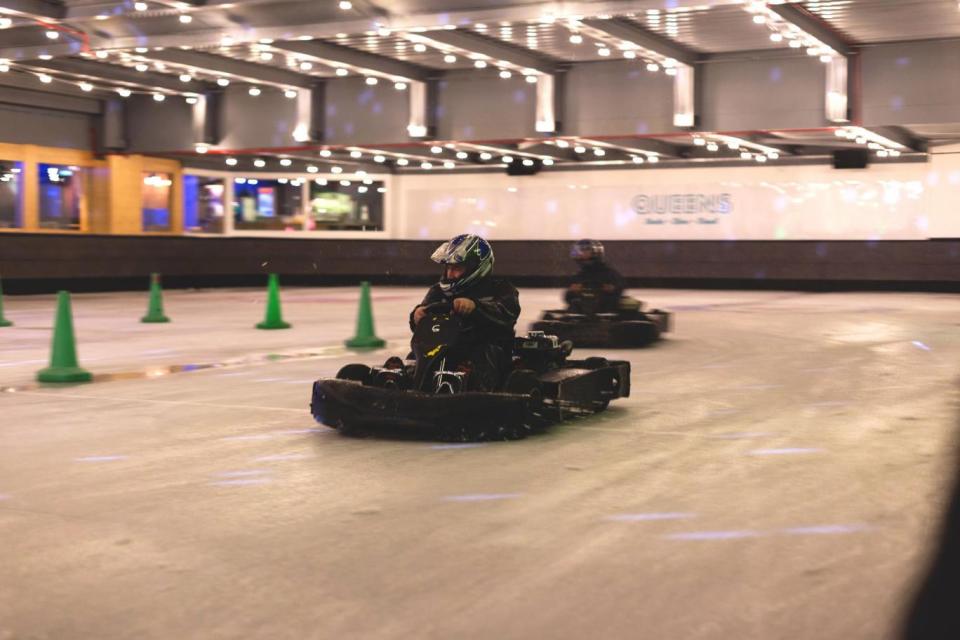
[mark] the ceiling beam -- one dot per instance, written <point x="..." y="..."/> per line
<point x="232" y="68"/>
<point x="491" y="48"/>
<point x="98" y="71"/>
<point x="340" y="55"/>
<point x="644" y="38"/>
<point x="39" y="9"/>
<point x="813" y="26"/>
<point x="25" y="90"/>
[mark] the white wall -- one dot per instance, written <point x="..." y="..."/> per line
<point x="901" y="201"/>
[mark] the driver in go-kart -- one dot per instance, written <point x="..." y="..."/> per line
<point x="488" y="307"/>
<point x="596" y="278"/>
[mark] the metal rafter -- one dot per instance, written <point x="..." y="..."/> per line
<point x="488" y="48"/>
<point x="100" y="72"/>
<point x="232" y="68"/>
<point x="336" y="55"/>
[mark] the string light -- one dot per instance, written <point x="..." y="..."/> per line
<point x="223" y="82"/>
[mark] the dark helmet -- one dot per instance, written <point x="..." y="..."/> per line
<point x="587" y="251"/>
<point x="473" y="252"/>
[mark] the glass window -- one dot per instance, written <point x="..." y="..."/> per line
<point x="203" y="204"/>
<point x="11" y="193"/>
<point x="61" y="196"/>
<point x="346" y="205"/>
<point x="156" y="197"/>
<point x="267" y="205"/>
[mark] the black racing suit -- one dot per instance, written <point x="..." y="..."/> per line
<point x="593" y="277"/>
<point x="486" y="342"/>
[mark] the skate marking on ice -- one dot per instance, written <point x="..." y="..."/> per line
<point x="241" y="473"/>
<point x="827" y="529"/>
<point x="481" y="497"/>
<point x="713" y="535"/>
<point x="100" y="458"/>
<point x="283" y="456"/>
<point x="788" y="451"/>
<point x="649" y="517"/>
<point x="464" y="445"/>
<point x="241" y="482"/>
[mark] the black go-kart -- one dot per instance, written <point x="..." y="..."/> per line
<point x="629" y="326"/>
<point x="429" y="396"/>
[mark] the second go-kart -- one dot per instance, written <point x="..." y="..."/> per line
<point x="629" y="326"/>
<point x="433" y="395"/>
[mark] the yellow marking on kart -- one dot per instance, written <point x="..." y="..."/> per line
<point x="434" y="351"/>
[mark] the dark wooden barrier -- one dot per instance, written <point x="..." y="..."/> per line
<point x="46" y="262"/>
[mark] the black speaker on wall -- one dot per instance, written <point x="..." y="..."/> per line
<point x="851" y="159"/>
<point x="519" y="168"/>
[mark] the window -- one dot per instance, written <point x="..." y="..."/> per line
<point x="156" y="197"/>
<point x="203" y="204"/>
<point x="267" y="205"/>
<point x="11" y="190"/>
<point x="61" y="196"/>
<point x="346" y="205"/>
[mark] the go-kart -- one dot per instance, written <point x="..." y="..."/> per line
<point x="629" y="326"/>
<point x="432" y="395"/>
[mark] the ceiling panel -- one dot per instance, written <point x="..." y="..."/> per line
<point x="889" y="20"/>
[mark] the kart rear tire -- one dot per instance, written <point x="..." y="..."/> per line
<point x="355" y="372"/>
<point x="596" y="363"/>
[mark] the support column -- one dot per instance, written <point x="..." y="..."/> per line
<point x="837" y="94"/>
<point x="684" y="96"/>
<point x="546" y="121"/>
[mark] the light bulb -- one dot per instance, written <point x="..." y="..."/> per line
<point x="254" y="91"/>
<point x="285" y="162"/>
<point x="159" y="97"/>
<point x="223" y="82"/>
<point x="400" y="86"/>
<point x="259" y="163"/>
<point x="449" y="58"/>
<point x="480" y="64"/>
<point x="371" y="80"/>
<point x="124" y="93"/>
<point x="185" y="77"/>
<point x="185" y="18"/>
<point x="290" y="93"/>
<point x="576" y="38"/>
<point x="231" y="162"/>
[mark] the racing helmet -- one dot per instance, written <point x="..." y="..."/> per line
<point x="587" y="251"/>
<point x="471" y="251"/>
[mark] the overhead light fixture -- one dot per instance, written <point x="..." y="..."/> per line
<point x="141" y="50"/>
<point x="53" y="35"/>
<point x="325" y="153"/>
<point x="400" y="86"/>
<point x="505" y="74"/>
<point x="383" y="32"/>
<point x="713" y="146"/>
<point x="563" y="144"/>
<point x="603" y="52"/>
<point x="313" y="168"/>
<point x="637" y="159"/>
<point x="532" y="79"/>
<point x="506" y="159"/>
<point x="449" y="58"/>
<point x="436" y="149"/>
<point x="356" y="154"/>
<point x="140" y="6"/>
<point x="776" y="37"/>
<point x="480" y="64"/>
<point x="290" y="93"/>
<point x="547" y="162"/>
<point x="254" y="91"/>
<point x="336" y="169"/>
<point x="426" y="165"/>
<point x="670" y="71"/>
<point x="371" y="80"/>
<point x="346" y="5"/>
<point x="186" y="18"/>
<point x="142" y="68"/>
<point x="124" y="93"/>
<point x="285" y="162"/>
<point x="306" y="66"/>
<point x="462" y="155"/>
<point x="342" y="72"/>
<point x="419" y="47"/>
<point x="102" y="54"/>
<point x="5" y="23"/>
<point x="266" y="56"/>
<point x="653" y="67"/>
<point x="527" y="162"/>
<point x="746" y="155"/>
<point x="159" y="97"/>
<point x="700" y="142"/>
<point x="223" y="82"/>
<point x="45" y="56"/>
<point x="259" y="163"/>
<point x="629" y="54"/>
<point x="191" y="100"/>
<point x="85" y="86"/>
<point x="226" y="41"/>
<point x="379" y="158"/>
<point x="576" y="38"/>
<point x="44" y="78"/>
<point x="231" y="162"/>
<point x="449" y="164"/>
<point x="202" y="148"/>
<point x="580" y="149"/>
<point x="402" y="162"/>
<point x="345" y="183"/>
<point x="185" y="77"/>
<point x="653" y="159"/>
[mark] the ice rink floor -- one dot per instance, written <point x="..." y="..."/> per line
<point x="778" y="473"/>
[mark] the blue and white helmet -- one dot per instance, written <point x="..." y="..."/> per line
<point x="473" y="252"/>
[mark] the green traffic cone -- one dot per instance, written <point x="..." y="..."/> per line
<point x="155" y="306"/>
<point x="3" y="321"/>
<point x="274" y="317"/>
<point x="63" y="353"/>
<point x="365" y="338"/>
